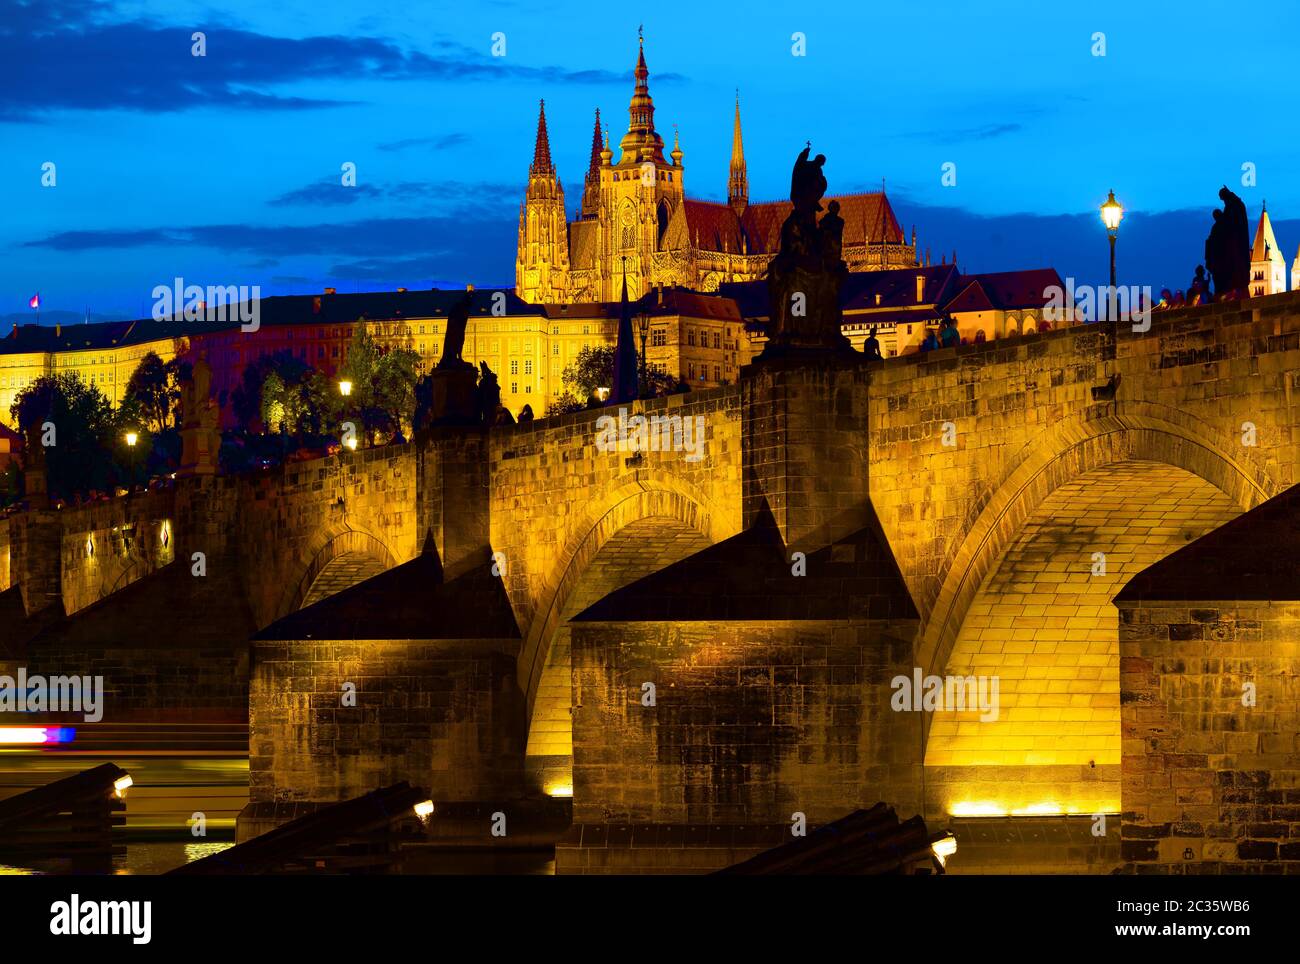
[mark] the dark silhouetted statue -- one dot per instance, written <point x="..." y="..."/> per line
<point x="457" y="322"/>
<point x="805" y="275"/>
<point x="1227" y="249"/>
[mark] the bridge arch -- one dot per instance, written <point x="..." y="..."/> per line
<point x="341" y="554"/>
<point x="1133" y="432"/>
<point x="1027" y="601"/>
<point x="638" y="525"/>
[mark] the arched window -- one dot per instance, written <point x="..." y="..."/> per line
<point x="663" y="220"/>
<point x="629" y="236"/>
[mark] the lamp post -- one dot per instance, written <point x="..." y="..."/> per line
<point x="1112" y="212"/>
<point x="643" y="325"/>
<point x="131" y="438"/>
<point x="345" y="389"/>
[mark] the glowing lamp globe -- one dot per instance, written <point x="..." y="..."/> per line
<point x="1112" y="212"/>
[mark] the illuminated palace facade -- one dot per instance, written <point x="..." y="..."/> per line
<point x="635" y="213"/>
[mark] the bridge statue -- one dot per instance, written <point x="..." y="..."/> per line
<point x="1227" y="249"/>
<point x="805" y="276"/>
<point x="447" y="395"/>
<point x="200" y="422"/>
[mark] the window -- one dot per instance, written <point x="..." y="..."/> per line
<point x="514" y="388"/>
<point x="555" y="349"/>
<point x="717" y="373"/>
<point x="514" y="367"/>
<point x="659" y="337"/>
<point x="690" y="337"/>
<point x="528" y="366"/>
<point x="717" y="339"/>
<point x="690" y="371"/>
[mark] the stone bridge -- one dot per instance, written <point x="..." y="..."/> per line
<point x="1016" y="486"/>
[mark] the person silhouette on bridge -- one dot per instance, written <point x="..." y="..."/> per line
<point x="871" y="348"/>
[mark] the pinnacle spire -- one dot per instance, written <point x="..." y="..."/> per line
<point x="642" y="142"/>
<point x="542" y="149"/>
<point x="593" y="167"/>
<point x="591" y="185"/>
<point x="737" y="179"/>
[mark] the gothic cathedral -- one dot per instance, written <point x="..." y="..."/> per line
<point x="635" y="217"/>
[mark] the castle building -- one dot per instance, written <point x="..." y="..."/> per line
<point x="1267" y="263"/>
<point x="635" y="213"/>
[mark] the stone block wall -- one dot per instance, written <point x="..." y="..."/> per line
<point x="805" y="439"/>
<point x="107" y="546"/>
<point x="447" y="715"/>
<point x="1211" y="784"/>
<point x="556" y="498"/>
<point x="751" y="723"/>
<point x="288" y="517"/>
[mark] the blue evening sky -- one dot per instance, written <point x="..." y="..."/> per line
<point x="225" y="169"/>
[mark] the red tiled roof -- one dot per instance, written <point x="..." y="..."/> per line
<point x="1009" y="290"/>
<point x="715" y="227"/>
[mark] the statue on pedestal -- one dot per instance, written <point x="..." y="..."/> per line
<point x="805" y="276"/>
<point x="447" y="395"/>
<point x="200" y="422"/>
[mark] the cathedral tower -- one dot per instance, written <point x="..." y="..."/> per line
<point x="738" y="179"/>
<point x="642" y="192"/>
<point x="1267" y="264"/>
<point x="542" y="262"/>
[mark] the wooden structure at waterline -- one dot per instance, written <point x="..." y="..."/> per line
<point x="359" y="836"/>
<point x="73" y="817"/>
<point x="870" y="841"/>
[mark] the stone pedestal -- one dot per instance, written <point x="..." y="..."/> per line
<point x="200" y="445"/>
<point x="453" y="399"/>
<point x="805" y="434"/>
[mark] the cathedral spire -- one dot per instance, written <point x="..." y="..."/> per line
<point x="738" y="179"/>
<point x="542" y="149"/>
<point x="593" y="168"/>
<point x="591" y="186"/>
<point x="642" y="142"/>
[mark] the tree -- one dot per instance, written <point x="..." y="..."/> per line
<point x="594" y="368"/>
<point x="79" y="420"/>
<point x="154" y="392"/>
<point x="281" y="389"/>
<point x="383" y="385"/>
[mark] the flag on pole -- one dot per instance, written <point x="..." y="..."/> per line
<point x="35" y="301"/>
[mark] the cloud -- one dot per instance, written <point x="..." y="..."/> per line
<point x="56" y="56"/>
<point x="456" y="193"/>
<point x="441" y="142"/>
<point x="981" y="133"/>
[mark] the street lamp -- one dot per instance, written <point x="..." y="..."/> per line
<point x="345" y="388"/>
<point x="1112" y="212"/>
<point x="131" y="439"/>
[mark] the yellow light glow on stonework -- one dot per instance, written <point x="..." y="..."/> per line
<point x="560" y="790"/>
<point x="122" y="784"/>
<point x="1047" y="808"/>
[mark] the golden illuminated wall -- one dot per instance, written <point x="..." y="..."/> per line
<point x="16" y="373"/>
<point x="1043" y="624"/>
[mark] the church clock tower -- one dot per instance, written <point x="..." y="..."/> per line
<point x="642" y="192"/>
